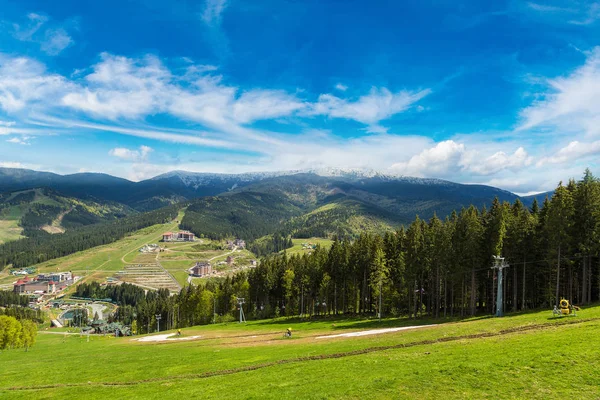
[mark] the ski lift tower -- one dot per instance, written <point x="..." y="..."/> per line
<point x="158" y="317"/>
<point x="241" y="302"/>
<point x="499" y="264"/>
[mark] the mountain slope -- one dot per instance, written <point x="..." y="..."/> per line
<point x="25" y="212"/>
<point x="247" y="215"/>
<point x="331" y="201"/>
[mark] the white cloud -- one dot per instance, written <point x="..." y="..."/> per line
<point x="500" y="161"/>
<point x="451" y="159"/>
<point x="7" y="123"/>
<point x="590" y="15"/>
<point x="56" y="40"/>
<point x="576" y="13"/>
<point x="121" y="87"/>
<point x="444" y="159"/>
<point x="11" y="164"/>
<point x="213" y="10"/>
<point x="548" y="8"/>
<point x="34" y="24"/>
<point x="52" y="40"/>
<point x="131" y="155"/>
<point x="341" y="87"/>
<point x="571" y="104"/>
<point x="24" y="140"/>
<point x="573" y="151"/>
<point x="264" y="104"/>
<point x="24" y="82"/>
<point x="369" y="109"/>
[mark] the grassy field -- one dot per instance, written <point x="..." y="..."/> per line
<point x="10" y="230"/>
<point x="528" y="355"/>
<point x="298" y="249"/>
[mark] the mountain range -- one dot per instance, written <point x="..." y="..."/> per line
<point x="302" y="203"/>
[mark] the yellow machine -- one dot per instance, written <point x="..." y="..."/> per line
<point x="564" y="307"/>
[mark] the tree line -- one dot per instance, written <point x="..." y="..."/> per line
<point x="437" y="267"/>
<point x="443" y="267"/>
<point x="271" y="244"/>
<point x="43" y="246"/>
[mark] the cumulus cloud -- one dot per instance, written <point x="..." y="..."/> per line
<point x="444" y="159"/>
<point x="341" y="87"/>
<point x="449" y="158"/>
<point x="131" y="155"/>
<point x="500" y="161"/>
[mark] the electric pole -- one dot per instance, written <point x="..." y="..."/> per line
<point x="158" y="317"/>
<point x="499" y="264"/>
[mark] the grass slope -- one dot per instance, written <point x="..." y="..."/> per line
<point x="103" y="261"/>
<point x="529" y="355"/>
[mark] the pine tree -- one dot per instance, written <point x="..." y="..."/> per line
<point x="559" y="220"/>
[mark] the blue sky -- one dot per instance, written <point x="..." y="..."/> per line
<point x="501" y="93"/>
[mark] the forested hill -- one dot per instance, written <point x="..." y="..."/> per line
<point x="305" y="205"/>
<point x="25" y="212"/>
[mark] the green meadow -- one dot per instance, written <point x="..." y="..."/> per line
<point x="525" y="355"/>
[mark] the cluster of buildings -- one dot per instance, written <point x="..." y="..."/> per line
<point x="239" y="243"/>
<point x="181" y="236"/>
<point x="201" y="269"/>
<point x="43" y="283"/>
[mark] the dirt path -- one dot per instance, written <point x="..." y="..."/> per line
<point x="164" y="337"/>
<point x="373" y="332"/>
